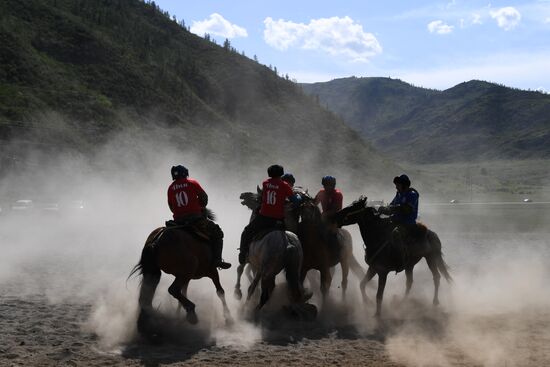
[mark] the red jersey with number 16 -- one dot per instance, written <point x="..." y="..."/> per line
<point x="183" y="197"/>
<point x="274" y="193"/>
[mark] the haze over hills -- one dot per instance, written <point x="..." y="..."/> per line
<point x="73" y="73"/>
<point x="475" y="120"/>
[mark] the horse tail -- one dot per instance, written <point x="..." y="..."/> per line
<point x="353" y="263"/>
<point x="148" y="262"/>
<point x="442" y="266"/>
<point x="355" y="267"/>
<point x="293" y="265"/>
<point x="150" y="270"/>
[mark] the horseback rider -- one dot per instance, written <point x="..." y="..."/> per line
<point x="275" y="191"/>
<point x="403" y="211"/>
<point x="289" y="179"/>
<point x="187" y="201"/>
<point x="329" y="197"/>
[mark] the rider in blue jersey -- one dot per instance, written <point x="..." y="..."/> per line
<point x="403" y="211"/>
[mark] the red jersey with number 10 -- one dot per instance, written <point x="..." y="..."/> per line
<point x="183" y="197"/>
<point x="274" y="193"/>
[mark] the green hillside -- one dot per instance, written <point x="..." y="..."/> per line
<point x="475" y="120"/>
<point x="75" y="72"/>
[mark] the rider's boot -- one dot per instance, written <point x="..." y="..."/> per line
<point x="217" y="247"/>
<point x="399" y="242"/>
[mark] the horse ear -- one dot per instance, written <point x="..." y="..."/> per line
<point x="258" y="189"/>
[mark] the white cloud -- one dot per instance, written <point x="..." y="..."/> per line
<point x="472" y="20"/>
<point x="507" y="18"/>
<point x="440" y="27"/>
<point x="547" y="20"/>
<point x="476" y="18"/>
<point x="218" y="26"/>
<point x="336" y="36"/>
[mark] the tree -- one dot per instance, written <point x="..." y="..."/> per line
<point x="227" y="44"/>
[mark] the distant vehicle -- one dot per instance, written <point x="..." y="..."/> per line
<point x="22" y="205"/>
<point x="454" y="201"/>
<point x="48" y="207"/>
<point x="527" y="200"/>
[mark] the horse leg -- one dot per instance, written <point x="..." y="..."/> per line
<point x="432" y="264"/>
<point x="176" y="290"/>
<point x="345" y="271"/>
<point x="253" y="285"/>
<point x="326" y="280"/>
<point x="146" y="293"/>
<point x="380" y="293"/>
<point x="368" y="276"/>
<point x="215" y="276"/>
<point x="409" y="275"/>
<point x="249" y="274"/>
<point x="268" y="284"/>
<point x="237" y="293"/>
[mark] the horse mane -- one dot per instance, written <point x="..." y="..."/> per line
<point x="209" y="214"/>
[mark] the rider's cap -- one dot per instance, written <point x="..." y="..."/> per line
<point x="275" y="171"/>
<point x="179" y="172"/>
<point x="403" y="179"/>
<point x="288" y="177"/>
<point x="328" y="181"/>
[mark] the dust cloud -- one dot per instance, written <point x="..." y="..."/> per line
<point x="494" y="314"/>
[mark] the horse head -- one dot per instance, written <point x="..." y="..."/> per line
<point x="352" y="213"/>
<point x="308" y="209"/>
<point x="250" y="200"/>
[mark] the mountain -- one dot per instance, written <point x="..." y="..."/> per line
<point x="73" y="73"/>
<point x="475" y="120"/>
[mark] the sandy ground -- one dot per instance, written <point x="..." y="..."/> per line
<point x="61" y="307"/>
<point x="38" y="333"/>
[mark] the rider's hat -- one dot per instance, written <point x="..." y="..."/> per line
<point x="403" y="179"/>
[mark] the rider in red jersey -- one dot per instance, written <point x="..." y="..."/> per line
<point x="329" y="197"/>
<point x="272" y="210"/>
<point x="187" y="200"/>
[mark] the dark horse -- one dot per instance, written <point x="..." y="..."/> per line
<point x="183" y="254"/>
<point x="382" y="257"/>
<point x="314" y="233"/>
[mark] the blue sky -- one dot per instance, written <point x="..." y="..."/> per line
<point x="427" y="43"/>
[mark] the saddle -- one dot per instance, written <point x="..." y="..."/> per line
<point x="193" y="227"/>
<point x="263" y="232"/>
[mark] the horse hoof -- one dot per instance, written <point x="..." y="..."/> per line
<point x="436" y="302"/>
<point x="238" y="294"/>
<point x="192" y="318"/>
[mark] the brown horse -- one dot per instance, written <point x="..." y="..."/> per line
<point x="383" y="257"/>
<point x="314" y="234"/>
<point x="182" y="254"/>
